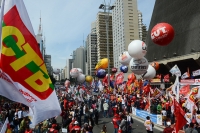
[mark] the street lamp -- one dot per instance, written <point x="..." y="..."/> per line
<point x="107" y="9"/>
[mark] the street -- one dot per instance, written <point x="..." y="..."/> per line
<point x="138" y="126"/>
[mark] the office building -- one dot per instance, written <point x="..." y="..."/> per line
<point x="102" y="36"/>
<point x="91" y="46"/>
<point x="70" y="66"/>
<point x="126" y="22"/>
<point x="79" y="58"/>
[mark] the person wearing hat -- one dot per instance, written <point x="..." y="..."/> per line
<point x="116" y="121"/>
<point x="53" y="129"/>
<point x="76" y="128"/>
<point x="149" y="125"/>
<point x="169" y="128"/>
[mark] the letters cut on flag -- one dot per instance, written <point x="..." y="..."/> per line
<point x="23" y="74"/>
<point x="175" y="71"/>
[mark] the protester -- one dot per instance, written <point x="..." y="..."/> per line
<point x="149" y="125"/>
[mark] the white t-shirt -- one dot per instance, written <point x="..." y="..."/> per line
<point x="19" y="113"/>
<point x="148" y="125"/>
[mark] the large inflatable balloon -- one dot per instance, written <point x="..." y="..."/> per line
<point x="114" y="70"/>
<point x="151" y="73"/>
<point x="80" y="70"/>
<point x="124" y="69"/>
<point x="101" y="73"/>
<point x="81" y="78"/>
<point x="155" y="65"/>
<point x="102" y="64"/>
<point x="124" y="58"/>
<point x="139" y="66"/>
<point x="88" y="79"/>
<point x="137" y="49"/>
<point x="56" y="70"/>
<point x="162" y="34"/>
<point x="74" y="72"/>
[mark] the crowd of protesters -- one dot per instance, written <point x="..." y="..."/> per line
<point x="81" y="115"/>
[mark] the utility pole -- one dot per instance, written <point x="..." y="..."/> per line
<point x="107" y="9"/>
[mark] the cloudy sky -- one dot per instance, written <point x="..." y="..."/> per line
<point x="66" y="23"/>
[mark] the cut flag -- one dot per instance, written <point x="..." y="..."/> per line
<point x="119" y="78"/>
<point x="185" y="90"/>
<point x="23" y="74"/>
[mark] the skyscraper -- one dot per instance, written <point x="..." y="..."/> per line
<point x="91" y="45"/>
<point x="127" y="26"/>
<point x="102" y="37"/>
<point x="79" y="58"/>
<point x="69" y="67"/>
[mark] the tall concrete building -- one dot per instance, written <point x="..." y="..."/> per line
<point x="126" y="21"/>
<point x="102" y="38"/>
<point x="69" y="67"/>
<point x="41" y="43"/>
<point x="91" y="46"/>
<point x="142" y="28"/>
<point x="79" y="58"/>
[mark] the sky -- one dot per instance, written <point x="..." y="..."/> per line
<point x="66" y="23"/>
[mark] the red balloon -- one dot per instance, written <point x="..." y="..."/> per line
<point x="162" y="34"/>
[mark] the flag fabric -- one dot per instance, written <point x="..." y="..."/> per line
<point x="23" y="74"/>
<point x="196" y="72"/>
<point x="185" y="75"/>
<point x="105" y="80"/>
<point x="175" y="71"/>
<point x="119" y="78"/>
<point x="185" y="90"/>
<point x="190" y="103"/>
<point x="146" y="89"/>
<point x="100" y="86"/>
<point x="180" y="116"/>
<point x="6" y="127"/>
<point x="130" y="79"/>
<point x="157" y="93"/>
<point x="175" y="88"/>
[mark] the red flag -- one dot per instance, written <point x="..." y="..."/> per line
<point x="131" y="79"/>
<point x="179" y="114"/>
<point x="105" y="81"/>
<point x="158" y="76"/>
<point x="185" y="90"/>
<point x="146" y="88"/>
<point x="119" y="78"/>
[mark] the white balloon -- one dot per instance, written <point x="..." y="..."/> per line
<point x="124" y="58"/>
<point x="80" y="70"/>
<point x="139" y="66"/>
<point x="151" y="73"/>
<point x="74" y="72"/>
<point x="137" y="49"/>
<point x="56" y="70"/>
<point x="81" y="78"/>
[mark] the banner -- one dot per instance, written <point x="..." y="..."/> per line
<point x="157" y="119"/>
<point x="175" y="71"/>
<point x="196" y="73"/>
<point x="5" y="127"/>
<point x="23" y="74"/>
